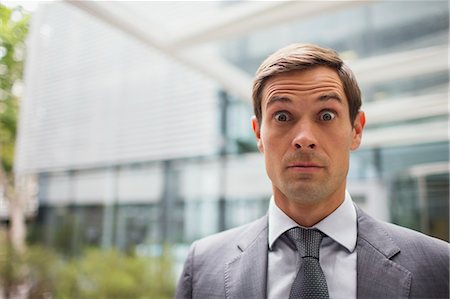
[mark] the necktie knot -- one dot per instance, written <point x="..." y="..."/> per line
<point x="307" y="241"/>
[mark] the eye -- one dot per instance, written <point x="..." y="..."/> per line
<point x="327" y="115"/>
<point x="282" y="116"/>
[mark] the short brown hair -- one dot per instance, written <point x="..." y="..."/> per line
<point x="301" y="57"/>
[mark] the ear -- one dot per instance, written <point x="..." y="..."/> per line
<point x="257" y="130"/>
<point x="358" y="127"/>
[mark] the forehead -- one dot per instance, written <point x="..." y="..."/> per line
<point x="315" y="80"/>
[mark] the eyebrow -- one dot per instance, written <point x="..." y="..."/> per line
<point x="277" y="99"/>
<point x="329" y="96"/>
<point x="322" y="98"/>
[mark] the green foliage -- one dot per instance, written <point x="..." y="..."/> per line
<point x="12" y="266"/>
<point x="110" y="274"/>
<point x="97" y="273"/>
<point x="43" y="271"/>
<point x="13" y="31"/>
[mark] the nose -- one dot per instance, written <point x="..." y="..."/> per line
<point x="304" y="138"/>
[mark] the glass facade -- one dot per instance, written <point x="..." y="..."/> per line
<point x="375" y="28"/>
<point x="192" y="198"/>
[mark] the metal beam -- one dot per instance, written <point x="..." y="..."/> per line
<point x="412" y="108"/>
<point x="238" y="20"/>
<point x="407" y="134"/>
<point x="400" y="65"/>
<point x="231" y="78"/>
<point x="246" y="17"/>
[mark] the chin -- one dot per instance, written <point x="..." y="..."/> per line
<point x="309" y="196"/>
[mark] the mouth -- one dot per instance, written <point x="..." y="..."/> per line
<point x="305" y="167"/>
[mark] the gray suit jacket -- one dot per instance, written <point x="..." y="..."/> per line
<point x="392" y="262"/>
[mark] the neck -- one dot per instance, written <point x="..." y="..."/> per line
<point x="308" y="214"/>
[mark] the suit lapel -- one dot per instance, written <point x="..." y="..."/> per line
<point x="378" y="276"/>
<point x="246" y="273"/>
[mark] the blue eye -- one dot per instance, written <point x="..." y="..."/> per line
<point x="327" y="115"/>
<point x="282" y="116"/>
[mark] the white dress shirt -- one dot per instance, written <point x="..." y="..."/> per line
<point x="337" y="252"/>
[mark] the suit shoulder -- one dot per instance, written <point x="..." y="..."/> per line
<point x="425" y="257"/>
<point x="420" y="252"/>
<point x="203" y="273"/>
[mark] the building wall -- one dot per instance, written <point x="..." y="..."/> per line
<point x="95" y="97"/>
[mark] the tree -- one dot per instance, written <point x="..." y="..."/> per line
<point x="13" y="31"/>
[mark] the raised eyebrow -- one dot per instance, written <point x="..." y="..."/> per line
<point x="277" y="99"/>
<point x="329" y="96"/>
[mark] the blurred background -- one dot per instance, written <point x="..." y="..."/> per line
<point x="130" y="124"/>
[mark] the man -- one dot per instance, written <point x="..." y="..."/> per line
<point x="314" y="242"/>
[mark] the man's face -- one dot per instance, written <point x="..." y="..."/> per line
<point x="306" y="135"/>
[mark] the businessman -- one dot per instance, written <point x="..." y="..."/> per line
<point x="313" y="242"/>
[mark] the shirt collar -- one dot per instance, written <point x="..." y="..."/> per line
<point x="341" y="225"/>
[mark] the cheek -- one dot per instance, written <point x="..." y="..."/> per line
<point x="339" y="143"/>
<point x="273" y="147"/>
<point x="274" y="143"/>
